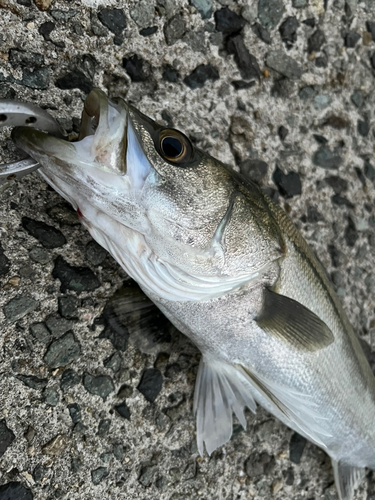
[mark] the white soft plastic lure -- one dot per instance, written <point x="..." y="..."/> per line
<point x="230" y="270"/>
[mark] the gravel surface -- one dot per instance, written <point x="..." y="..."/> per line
<point x="96" y="397"/>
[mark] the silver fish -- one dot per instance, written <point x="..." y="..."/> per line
<point x="230" y="270"/>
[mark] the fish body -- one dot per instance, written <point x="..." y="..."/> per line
<point x="230" y="270"/>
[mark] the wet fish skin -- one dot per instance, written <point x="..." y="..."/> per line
<point x="230" y="270"/>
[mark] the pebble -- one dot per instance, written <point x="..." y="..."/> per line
<point x="296" y="447"/>
<point x="170" y="74"/>
<point x="299" y="4"/>
<point x="63" y="213"/>
<point x="75" y="412"/>
<point x="76" y="465"/>
<point x="351" y="39"/>
<point x="289" y="185"/>
<point x="39" y="255"/>
<point x="4" y="262"/>
<point x="369" y="170"/>
<point x="43" y="4"/>
<point x="25" y="58"/>
<point x="372" y="60"/>
<point x="68" y="306"/>
<point x="15" y="491"/>
<point x="138" y="69"/>
<point x="336" y="122"/>
<point x="350" y="233"/>
<point x="313" y="215"/>
<point x="246" y="62"/>
<point x="118" y="451"/>
<point x="341" y="201"/>
<point x="306" y="93"/>
<point x="316" y="41"/>
<point x="113" y="19"/>
<point x="51" y="396"/>
<point x="370" y="26"/>
<point x="33" y="382"/>
<point x="151" y="384"/>
<point x="270" y="12"/>
<point x="62" y="351"/>
<point x="6" y="437"/>
<point x="45" y="29"/>
<point x="36" y="79"/>
<point x="228" y="22"/>
<point x="200" y="75"/>
<point x="363" y="127"/>
<point x="255" y="169"/>
<point x="74" y="80"/>
<point x="261" y="33"/>
<point x="99" y="474"/>
<point x="250" y="12"/>
<point x="100" y="385"/>
<point x="337" y="184"/>
<point x="123" y="410"/>
<point x="142" y="13"/>
<point x="283" y="64"/>
<point x="19" y="306"/>
<point x="174" y="29"/>
<point x="39" y="332"/>
<point x="113" y="362"/>
<point x="322" y="101"/>
<point x="288" y="31"/>
<point x="103" y="427"/>
<point x="69" y="379"/>
<point x="58" y="325"/>
<point x="257" y="464"/>
<point x="204" y="7"/>
<point x="357" y="98"/>
<point x="282" y="132"/>
<point x="56" y="445"/>
<point x="148" y="31"/>
<point x="325" y="158"/>
<point x="147" y="475"/>
<point x="79" y="279"/>
<point x="63" y="15"/>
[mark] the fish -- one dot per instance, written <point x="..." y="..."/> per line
<point x="229" y="269"/>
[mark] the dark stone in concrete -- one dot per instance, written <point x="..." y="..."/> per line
<point x="288" y="31"/>
<point x="18" y="307"/>
<point x="100" y="385"/>
<point x="57" y="325"/>
<point x="337" y="184"/>
<point x="369" y="170"/>
<point x="351" y="39"/>
<point x="137" y="68"/>
<point x="15" y="491"/>
<point x="363" y="127"/>
<point x="51" y="396"/>
<point x="123" y="410"/>
<point x="45" y="30"/>
<point x="282" y="132"/>
<point x="147" y="475"/>
<point x="270" y="12"/>
<point x="6" y="437"/>
<point x="48" y="236"/>
<point x="39" y="255"/>
<point x="103" y="427"/>
<point x="148" y="31"/>
<point x="200" y="75"/>
<point x="113" y="362"/>
<point x="325" y="158"/>
<point x="75" y="412"/>
<point x="289" y="185"/>
<point x="33" y="382"/>
<point x="350" y="234"/>
<point x="4" y="262"/>
<point x="316" y="41"/>
<point x="204" y="7"/>
<point x="79" y="279"/>
<point x="174" y="29"/>
<point x="170" y="74"/>
<point x="74" y="80"/>
<point x="341" y="201"/>
<point x="68" y="306"/>
<point x="39" y="332"/>
<point x="151" y="384"/>
<point x="99" y="474"/>
<point x="283" y="64"/>
<point x="296" y="446"/>
<point x="246" y="62"/>
<point x="25" y="58"/>
<point x="370" y="26"/>
<point x="69" y="379"/>
<point x="62" y="351"/>
<point x="262" y="33"/>
<point x="228" y="22"/>
<point x="255" y="169"/>
<point x="63" y="15"/>
<point x="113" y="19"/>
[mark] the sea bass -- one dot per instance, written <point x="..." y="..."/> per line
<point x="229" y="269"/>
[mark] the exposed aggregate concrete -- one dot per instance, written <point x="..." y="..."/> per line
<point x="95" y="401"/>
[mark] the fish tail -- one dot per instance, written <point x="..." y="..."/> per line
<point x="347" y="478"/>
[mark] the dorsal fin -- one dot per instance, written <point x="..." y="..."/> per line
<point x="347" y="479"/>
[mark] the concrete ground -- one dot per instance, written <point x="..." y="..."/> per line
<point x="96" y="403"/>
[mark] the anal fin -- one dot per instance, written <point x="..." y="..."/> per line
<point x="219" y="389"/>
<point x="347" y="479"/>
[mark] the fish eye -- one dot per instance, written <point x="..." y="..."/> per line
<point x="174" y="146"/>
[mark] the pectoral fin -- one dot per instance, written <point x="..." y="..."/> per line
<point x="292" y="322"/>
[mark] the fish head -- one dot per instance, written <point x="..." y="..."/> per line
<point x="173" y="216"/>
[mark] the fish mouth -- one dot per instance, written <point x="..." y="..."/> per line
<point x="102" y="140"/>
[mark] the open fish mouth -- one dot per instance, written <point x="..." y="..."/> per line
<point x="102" y="140"/>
